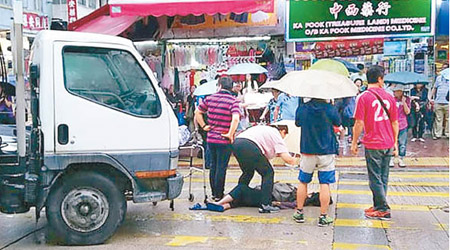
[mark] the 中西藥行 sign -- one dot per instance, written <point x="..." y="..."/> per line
<point x="349" y="19"/>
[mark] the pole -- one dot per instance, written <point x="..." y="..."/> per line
<point x="20" y="86"/>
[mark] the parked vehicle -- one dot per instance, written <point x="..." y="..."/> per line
<point x="102" y="133"/>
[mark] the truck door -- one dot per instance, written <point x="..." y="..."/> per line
<point x="106" y="103"/>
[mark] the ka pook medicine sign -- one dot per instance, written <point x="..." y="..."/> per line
<point x="321" y="20"/>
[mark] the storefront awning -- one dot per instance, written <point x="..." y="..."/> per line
<point x="101" y="22"/>
<point x="187" y="7"/>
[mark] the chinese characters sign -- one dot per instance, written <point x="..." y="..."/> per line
<point x="33" y="21"/>
<point x="347" y="19"/>
<point x="72" y="11"/>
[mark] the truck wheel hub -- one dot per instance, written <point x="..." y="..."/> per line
<point x="85" y="209"/>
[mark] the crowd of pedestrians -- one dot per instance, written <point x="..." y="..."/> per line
<point x="379" y="118"/>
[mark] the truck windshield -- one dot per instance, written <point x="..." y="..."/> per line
<point x="110" y="77"/>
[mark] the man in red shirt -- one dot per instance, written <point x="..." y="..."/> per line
<point x="376" y="113"/>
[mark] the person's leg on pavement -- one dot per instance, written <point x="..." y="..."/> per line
<point x="223" y="157"/>
<point x="385" y="170"/>
<point x="212" y="151"/>
<point x="445" y="108"/>
<point x="402" y="141"/>
<point x="438" y="120"/>
<point x="415" y="128"/>
<point x="375" y="161"/>
<point x="307" y="165"/>
<point x="245" y="151"/>
<point x="327" y="176"/>
<point x="265" y="169"/>
<point x="421" y="122"/>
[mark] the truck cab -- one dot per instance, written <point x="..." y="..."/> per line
<point x="103" y="133"/>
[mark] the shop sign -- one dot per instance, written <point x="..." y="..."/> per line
<point x="353" y="19"/>
<point x="348" y="48"/>
<point x="35" y="22"/>
<point x="72" y="11"/>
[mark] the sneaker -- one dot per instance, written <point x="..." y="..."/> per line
<point x="391" y="162"/>
<point x="324" y="220"/>
<point x="413" y="139"/>
<point x="298" y="217"/>
<point x="378" y="215"/>
<point x="268" y="209"/>
<point x="435" y="138"/>
<point x="368" y="210"/>
<point x="421" y="140"/>
<point x="401" y="163"/>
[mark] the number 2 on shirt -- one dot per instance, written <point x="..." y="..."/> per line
<point x="380" y="114"/>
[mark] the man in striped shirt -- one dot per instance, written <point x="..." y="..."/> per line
<point x="222" y="111"/>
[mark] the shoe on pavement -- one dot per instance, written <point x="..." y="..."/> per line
<point x="298" y="217"/>
<point x="391" y="162"/>
<point x="268" y="209"/>
<point x="435" y="138"/>
<point x="413" y="139"/>
<point x="401" y="163"/>
<point x="324" y="221"/>
<point x="378" y="215"/>
<point x="421" y="140"/>
<point x="370" y="209"/>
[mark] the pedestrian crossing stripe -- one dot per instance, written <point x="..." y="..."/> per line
<point x="393" y="207"/>
<point x="395" y="193"/>
<point x="183" y="240"/>
<point x="362" y="223"/>
<point x="358" y="183"/>
<point x="351" y="246"/>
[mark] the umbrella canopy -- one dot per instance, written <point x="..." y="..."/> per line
<point x="246" y="68"/>
<point x="270" y="85"/>
<point x="405" y="78"/>
<point x="331" y="65"/>
<point x="317" y="84"/>
<point x="292" y="139"/>
<point x="350" y="66"/>
<point x="208" y="88"/>
<point x="444" y="73"/>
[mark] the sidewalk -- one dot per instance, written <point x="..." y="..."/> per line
<point x="431" y="153"/>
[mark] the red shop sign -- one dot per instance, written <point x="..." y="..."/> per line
<point x="33" y="21"/>
<point x="72" y="11"/>
<point x="348" y="48"/>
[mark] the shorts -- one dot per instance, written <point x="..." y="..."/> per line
<point x="325" y="164"/>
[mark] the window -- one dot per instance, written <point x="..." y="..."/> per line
<point x="82" y="2"/>
<point x="6" y="2"/>
<point x="110" y="77"/>
<point x="92" y="4"/>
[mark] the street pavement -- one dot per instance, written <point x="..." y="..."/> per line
<point x="418" y="196"/>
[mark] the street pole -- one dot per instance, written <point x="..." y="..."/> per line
<point x="20" y="85"/>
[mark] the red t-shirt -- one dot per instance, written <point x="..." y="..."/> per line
<point x="378" y="133"/>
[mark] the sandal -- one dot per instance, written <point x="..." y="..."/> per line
<point x="198" y="206"/>
<point x="215" y="207"/>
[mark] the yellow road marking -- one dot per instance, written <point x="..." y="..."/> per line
<point x="395" y="193"/>
<point x="222" y="218"/>
<point x="361" y="223"/>
<point x="181" y="241"/>
<point x="347" y="161"/>
<point x="351" y="246"/>
<point x="393" y="207"/>
<point x="361" y="183"/>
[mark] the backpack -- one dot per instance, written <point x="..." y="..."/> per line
<point x="284" y="192"/>
<point x="313" y="199"/>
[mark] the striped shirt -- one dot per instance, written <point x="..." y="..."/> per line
<point x="219" y="108"/>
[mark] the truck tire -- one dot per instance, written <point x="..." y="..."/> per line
<point x="85" y="208"/>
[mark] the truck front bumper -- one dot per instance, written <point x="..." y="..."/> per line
<point x="174" y="186"/>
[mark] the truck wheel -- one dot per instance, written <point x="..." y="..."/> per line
<point x="85" y="209"/>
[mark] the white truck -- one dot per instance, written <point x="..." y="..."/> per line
<point x="102" y="133"/>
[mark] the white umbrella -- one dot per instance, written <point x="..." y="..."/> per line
<point x="317" y="84"/>
<point x="445" y="74"/>
<point x="246" y="68"/>
<point x="270" y="85"/>
<point x="292" y="139"/>
<point x="207" y="88"/>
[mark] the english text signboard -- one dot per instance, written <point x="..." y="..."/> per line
<point x="319" y="20"/>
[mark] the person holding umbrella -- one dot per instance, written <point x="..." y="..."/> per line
<point x="376" y="114"/>
<point x="419" y="98"/>
<point x="404" y="109"/>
